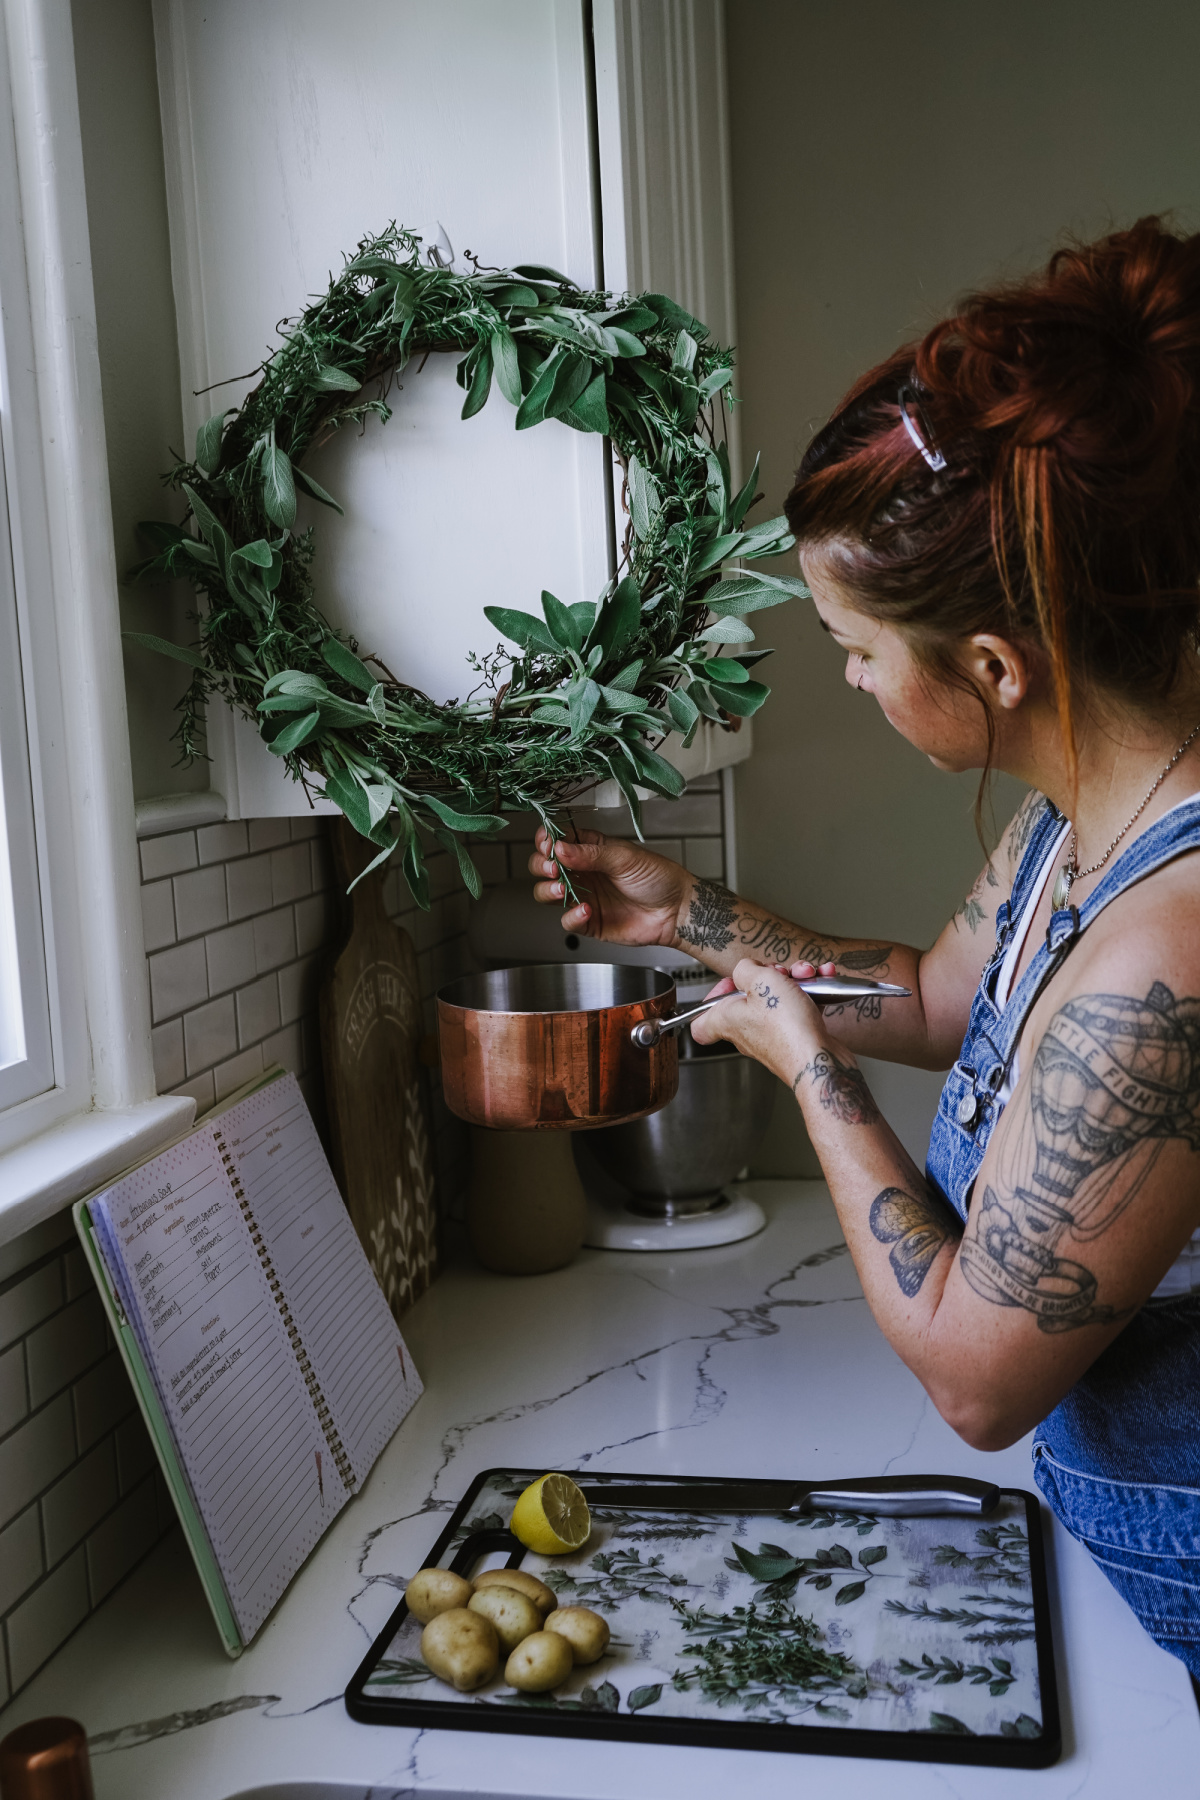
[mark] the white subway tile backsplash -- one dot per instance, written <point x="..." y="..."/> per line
<point x="102" y="1397"/>
<point x="76" y="1274"/>
<point x="21" y="1561"/>
<point x="230" y="1075"/>
<point x="168" y="855"/>
<point x="672" y="848"/>
<point x="291" y="873"/>
<point x="135" y="1453"/>
<point x="14" y="1399"/>
<point x="79" y="1501"/>
<point x="306" y="828"/>
<point x="258" y="1010"/>
<point x="61" y="1349"/>
<point x="166" y="1045"/>
<point x="322" y="865"/>
<point x="230" y="955"/>
<point x="249" y="886"/>
<point x="201" y="1090"/>
<point x="200" y="903"/>
<point x="210" y="1034"/>
<point x="286" y="1047"/>
<point x="312" y="923"/>
<point x="24" y="1304"/>
<point x="220" y="843"/>
<point x="267" y="834"/>
<point x="297" y="989"/>
<point x="34" y="1455"/>
<point x="122" y="1540"/>
<point x="274" y="939"/>
<point x="178" y="978"/>
<point x="158" y="915"/>
<point x="37" y="1627"/>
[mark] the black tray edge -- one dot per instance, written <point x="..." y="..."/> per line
<point x="824" y="1740"/>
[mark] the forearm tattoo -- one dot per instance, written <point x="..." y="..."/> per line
<point x="717" y="918"/>
<point x="917" y="1226"/>
<point x="841" y="1089"/>
<point x="1113" y="1080"/>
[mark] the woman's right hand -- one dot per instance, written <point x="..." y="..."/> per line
<point x="627" y="894"/>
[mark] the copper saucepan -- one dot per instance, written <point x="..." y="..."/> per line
<point x="550" y="1048"/>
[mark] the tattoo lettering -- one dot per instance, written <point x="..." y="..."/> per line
<point x="1114" y="1078"/>
<point x="917" y="1226"/>
<point x="710" y="918"/>
<point x="769" y="938"/>
<point x="842" y="1089"/>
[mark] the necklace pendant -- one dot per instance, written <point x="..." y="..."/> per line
<point x="1061" y="891"/>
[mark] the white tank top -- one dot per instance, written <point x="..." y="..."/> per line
<point x="1183" y="1277"/>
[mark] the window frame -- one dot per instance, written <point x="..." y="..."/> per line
<point x="100" y="1111"/>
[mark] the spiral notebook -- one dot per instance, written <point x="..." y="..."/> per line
<point x="265" y="1359"/>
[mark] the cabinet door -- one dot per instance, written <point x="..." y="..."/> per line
<point x="292" y="129"/>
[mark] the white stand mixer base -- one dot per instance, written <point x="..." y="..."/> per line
<point x="735" y="1216"/>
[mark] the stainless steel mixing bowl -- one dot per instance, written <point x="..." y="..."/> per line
<point x="677" y="1160"/>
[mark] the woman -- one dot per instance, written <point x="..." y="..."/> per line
<point x="1001" y="528"/>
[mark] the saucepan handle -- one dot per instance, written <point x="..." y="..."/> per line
<point x="835" y="989"/>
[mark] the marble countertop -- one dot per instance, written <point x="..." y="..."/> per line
<point x="759" y="1358"/>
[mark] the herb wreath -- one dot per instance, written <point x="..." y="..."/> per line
<point x="591" y="688"/>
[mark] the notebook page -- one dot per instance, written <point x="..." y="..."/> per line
<point x="344" y="1322"/>
<point x="173" y="1236"/>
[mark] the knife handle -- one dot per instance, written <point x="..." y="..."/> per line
<point x="904" y="1496"/>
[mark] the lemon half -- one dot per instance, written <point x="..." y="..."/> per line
<point x="551" y="1517"/>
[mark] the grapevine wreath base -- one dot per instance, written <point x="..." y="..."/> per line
<point x="590" y="688"/>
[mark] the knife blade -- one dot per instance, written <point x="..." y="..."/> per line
<point x="891" y="1496"/>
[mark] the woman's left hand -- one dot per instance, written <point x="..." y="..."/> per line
<point x="776" y="1023"/>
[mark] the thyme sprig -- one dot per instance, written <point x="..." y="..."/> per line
<point x="591" y="689"/>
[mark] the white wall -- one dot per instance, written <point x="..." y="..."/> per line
<point x="888" y="155"/>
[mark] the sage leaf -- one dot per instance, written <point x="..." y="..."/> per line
<point x="874" y="1553"/>
<point x="523" y="628"/>
<point x="315" y="489"/>
<point x="343" y="660"/>
<point x="853" y="1590"/>
<point x="657" y="772"/>
<point x="589" y="409"/>
<point x="772" y="1567"/>
<point x="481" y="383"/>
<point x="627" y="344"/>
<point x="712" y="384"/>
<point x="374" y="863"/>
<point x="644" y="501"/>
<point x="742" y="701"/>
<point x="564" y="628"/>
<point x="744" y="594"/>
<point x="618" y="701"/>
<point x="582" y="699"/>
<point x="727" y="670"/>
<point x="180" y="652"/>
<point x="506" y="363"/>
<point x="618" y="618"/>
<point x="684" y="356"/>
<point x="295" y="734"/>
<point x="416" y="874"/>
<point x="727" y="631"/>
<point x="619" y="771"/>
<point x="683" y="709"/>
<point x="672" y="316"/>
<point x="722" y="547"/>
<point x="460" y="821"/>
<point x="641" y="1697"/>
<point x="208" y="442"/>
<point x="628" y="677"/>
<point x="745" y="495"/>
<point x="472" y="879"/>
<point x="278" y="488"/>
<point x="329" y="380"/>
<point x="348" y="796"/>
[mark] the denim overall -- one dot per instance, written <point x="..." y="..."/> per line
<point x="1118" y="1460"/>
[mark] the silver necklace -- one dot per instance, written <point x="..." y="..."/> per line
<point x="1071" y="872"/>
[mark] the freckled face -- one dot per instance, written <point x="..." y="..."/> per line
<point x="938" y="718"/>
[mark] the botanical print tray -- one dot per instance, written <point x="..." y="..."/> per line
<point x="838" y="1632"/>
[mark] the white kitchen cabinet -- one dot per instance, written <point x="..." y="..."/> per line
<point x="523" y="132"/>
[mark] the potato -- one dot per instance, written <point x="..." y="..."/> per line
<point x="462" y="1648"/>
<point x="434" y="1591"/>
<point x="539" y="1663"/>
<point x="585" y="1631"/>
<point x="543" y="1597"/>
<point x="514" y="1615"/>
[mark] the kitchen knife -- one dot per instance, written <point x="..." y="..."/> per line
<point x="893" y="1496"/>
<point x="830" y="988"/>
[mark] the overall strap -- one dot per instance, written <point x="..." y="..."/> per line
<point x="1173" y="835"/>
<point x="1042" y="833"/>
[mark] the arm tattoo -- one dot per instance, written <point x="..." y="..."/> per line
<point x="972" y="908"/>
<point x="916" y="1226"/>
<point x="1024" y="820"/>
<point x="841" y="1089"/>
<point x="1114" y="1078"/>
<point x="710" y="918"/>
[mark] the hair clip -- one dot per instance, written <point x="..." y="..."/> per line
<point x="933" y="456"/>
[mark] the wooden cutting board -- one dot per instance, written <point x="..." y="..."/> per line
<point x="374" y="1083"/>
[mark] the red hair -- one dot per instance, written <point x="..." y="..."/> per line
<point x="1068" y="513"/>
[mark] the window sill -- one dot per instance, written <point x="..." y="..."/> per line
<point x="40" y="1177"/>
